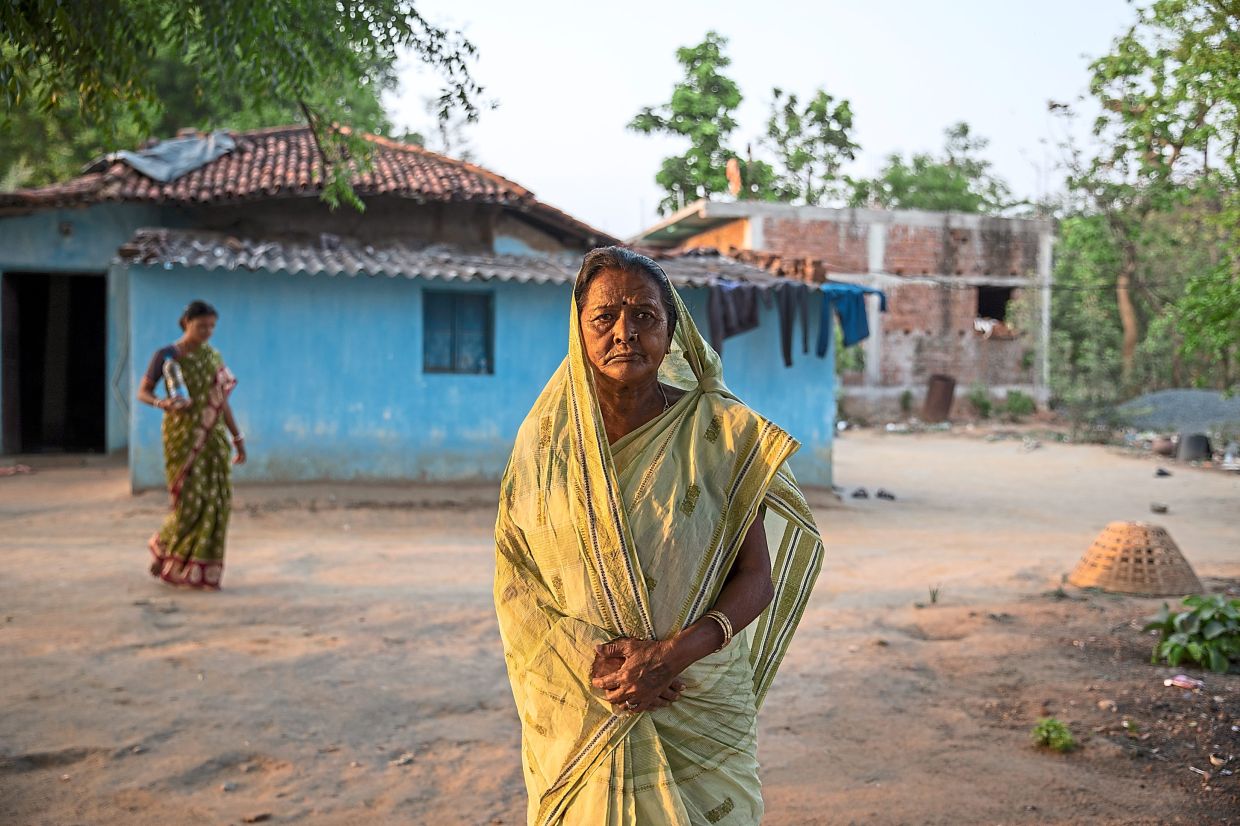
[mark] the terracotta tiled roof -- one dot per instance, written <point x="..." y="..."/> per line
<point x="284" y="162"/>
<point x="335" y="256"/>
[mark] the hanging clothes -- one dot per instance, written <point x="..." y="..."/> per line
<point x="731" y="309"/>
<point x="848" y="300"/>
<point x="791" y="300"/>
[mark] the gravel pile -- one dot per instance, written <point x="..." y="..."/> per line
<point x="1192" y="411"/>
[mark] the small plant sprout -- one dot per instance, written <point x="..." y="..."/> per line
<point x="934" y="594"/>
<point x="1052" y="734"/>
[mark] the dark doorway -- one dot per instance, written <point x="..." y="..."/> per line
<point x="55" y="330"/>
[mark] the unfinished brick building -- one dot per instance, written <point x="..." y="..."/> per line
<point x="969" y="295"/>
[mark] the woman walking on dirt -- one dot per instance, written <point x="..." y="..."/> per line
<point x="189" y="549"/>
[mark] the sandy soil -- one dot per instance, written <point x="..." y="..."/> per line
<point x="350" y="671"/>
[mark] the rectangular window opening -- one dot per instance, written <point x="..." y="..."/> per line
<point x="458" y="332"/>
<point x="992" y="302"/>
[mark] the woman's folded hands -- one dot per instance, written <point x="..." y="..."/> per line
<point x="637" y="675"/>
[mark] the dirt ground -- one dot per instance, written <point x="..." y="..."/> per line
<point x="350" y="671"/>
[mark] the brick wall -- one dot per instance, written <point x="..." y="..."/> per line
<point x="930" y="267"/>
<point x="729" y="236"/>
<point x="929" y="329"/>
<point x="843" y="247"/>
<point x="995" y="248"/>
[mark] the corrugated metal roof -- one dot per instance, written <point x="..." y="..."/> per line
<point x="335" y="256"/>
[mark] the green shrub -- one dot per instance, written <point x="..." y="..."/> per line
<point x="906" y="402"/>
<point x="1018" y="405"/>
<point x="979" y="397"/>
<point x="1053" y="734"/>
<point x="1207" y="634"/>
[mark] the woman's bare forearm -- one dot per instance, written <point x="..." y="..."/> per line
<point x="230" y="422"/>
<point x="146" y="393"/>
<point x="745" y="595"/>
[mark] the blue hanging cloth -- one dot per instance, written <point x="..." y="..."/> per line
<point x="849" y="301"/>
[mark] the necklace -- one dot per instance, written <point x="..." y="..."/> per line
<point x="666" y="403"/>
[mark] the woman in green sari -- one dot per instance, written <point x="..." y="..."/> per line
<point x="654" y="556"/>
<point x="189" y="549"/>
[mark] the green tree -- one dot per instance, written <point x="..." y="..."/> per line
<point x="1085" y="335"/>
<point x="701" y="110"/>
<point x="104" y="58"/>
<point x="959" y="180"/>
<point x="1169" y="91"/>
<point x="811" y="144"/>
<point x="1178" y="251"/>
<point x="1208" y="316"/>
<point x="41" y="146"/>
<point x="1173" y="247"/>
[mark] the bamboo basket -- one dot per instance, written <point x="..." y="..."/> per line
<point x="1136" y="558"/>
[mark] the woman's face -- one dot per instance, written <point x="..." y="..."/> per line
<point x="200" y="329"/>
<point x="624" y="327"/>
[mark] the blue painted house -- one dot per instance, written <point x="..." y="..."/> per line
<point x="403" y="343"/>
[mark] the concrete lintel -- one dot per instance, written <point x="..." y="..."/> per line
<point x="697" y="209"/>
<point x="882" y="279"/>
<point x="850" y="215"/>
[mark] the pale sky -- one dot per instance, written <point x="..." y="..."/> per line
<point x="568" y="76"/>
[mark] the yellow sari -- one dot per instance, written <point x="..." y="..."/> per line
<point x="596" y="541"/>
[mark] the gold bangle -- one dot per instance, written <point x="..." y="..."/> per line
<point x="725" y="624"/>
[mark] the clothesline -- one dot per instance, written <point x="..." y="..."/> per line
<point x="733" y="307"/>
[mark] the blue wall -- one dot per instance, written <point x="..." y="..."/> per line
<point x="331" y="382"/>
<point x="800" y="399"/>
<point x="35" y="243"/>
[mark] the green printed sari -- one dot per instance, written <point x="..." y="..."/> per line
<point x="189" y="549"/>
<point x="595" y="541"/>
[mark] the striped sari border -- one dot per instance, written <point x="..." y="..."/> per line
<point x="718" y="555"/>
<point x="587" y="493"/>
<point x="622" y="535"/>
<point x="784" y="634"/>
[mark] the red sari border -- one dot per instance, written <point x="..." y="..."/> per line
<point x="188" y="573"/>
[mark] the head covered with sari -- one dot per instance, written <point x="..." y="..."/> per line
<point x="635" y="539"/>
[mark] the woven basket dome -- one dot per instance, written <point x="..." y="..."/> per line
<point x="1136" y="558"/>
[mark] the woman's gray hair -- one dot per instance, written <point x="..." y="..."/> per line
<point x="625" y="260"/>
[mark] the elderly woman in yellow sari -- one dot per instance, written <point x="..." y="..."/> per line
<point x="654" y="556"/>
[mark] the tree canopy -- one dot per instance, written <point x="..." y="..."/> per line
<point x="811" y="145"/>
<point x="1166" y="147"/>
<point x="958" y="180"/>
<point x="808" y="143"/>
<point x="701" y="110"/>
<point x="109" y="70"/>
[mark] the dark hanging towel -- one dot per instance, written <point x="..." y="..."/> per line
<point x="792" y="299"/>
<point x="731" y="309"/>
